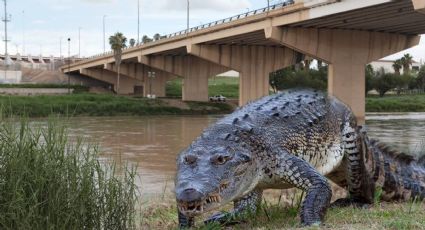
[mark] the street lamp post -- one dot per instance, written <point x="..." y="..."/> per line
<point x="151" y="76"/>
<point x="104" y="34"/>
<point x="79" y="42"/>
<point x="23" y="32"/>
<point x="69" y="65"/>
<point x="138" y="22"/>
<point x="188" y="7"/>
<point x="268" y="5"/>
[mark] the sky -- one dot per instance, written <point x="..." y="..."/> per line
<point x="40" y="26"/>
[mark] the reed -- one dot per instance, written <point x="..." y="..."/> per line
<point x="50" y="182"/>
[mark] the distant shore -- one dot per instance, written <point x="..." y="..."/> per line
<point x="104" y="105"/>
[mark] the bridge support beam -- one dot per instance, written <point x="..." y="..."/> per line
<point x="194" y="71"/>
<point x="254" y="63"/>
<point x="347" y="52"/>
<point x="419" y="5"/>
<point x="155" y="86"/>
<point x="127" y="84"/>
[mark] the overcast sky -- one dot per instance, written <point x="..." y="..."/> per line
<point x="42" y="24"/>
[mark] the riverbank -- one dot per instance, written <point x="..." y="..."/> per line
<point x="226" y="86"/>
<point x="403" y="103"/>
<point x="104" y="105"/>
<point x="274" y="215"/>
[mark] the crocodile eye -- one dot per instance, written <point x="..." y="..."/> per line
<point x="190" y="159"/>
<point x="220" y="159"/>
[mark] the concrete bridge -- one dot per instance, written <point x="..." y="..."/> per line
<point x="347" y="34"/>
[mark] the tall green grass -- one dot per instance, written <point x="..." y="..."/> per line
<point x="47" y="182"/>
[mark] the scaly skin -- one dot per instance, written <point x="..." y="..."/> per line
<point x="288" y="140"/>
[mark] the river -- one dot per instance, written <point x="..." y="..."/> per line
<point x="153" y="142"/>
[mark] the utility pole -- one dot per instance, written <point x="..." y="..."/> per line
<point x="5" y="20"/>
<point x="104" y="34"/>
<point x="60" y="47"/>
<point x="188" y="7"/>
<point x="79" y="42"/>
<point x="268" y="5"/>
<point x="138" y="22"/>
<point x="23" y="32"/>
<point x="69" y="65"/>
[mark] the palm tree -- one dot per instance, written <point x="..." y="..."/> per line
<point x="156" y="37"/>
<point x="118" y="42"/>
<point x="406" y="61"/>
<point x="397" y="66"/>
<point x="132" y="42"/>
<point x="146" y="39"/>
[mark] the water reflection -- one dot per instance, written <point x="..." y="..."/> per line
<point x="404" y="131"/>
<point x="154" y="142"/>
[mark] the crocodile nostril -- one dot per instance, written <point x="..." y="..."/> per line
<point x="190" y="195"/>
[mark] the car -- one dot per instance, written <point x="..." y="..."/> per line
<point x="220" y="98"/>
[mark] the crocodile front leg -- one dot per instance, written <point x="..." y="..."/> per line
<point x="360" y="184"/>
<point x="246" y="205"/>
<point x="184" y="221"/>
<point x="302" y="175"/>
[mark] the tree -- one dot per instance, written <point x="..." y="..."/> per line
<point x="406" y="61"/>
<point x="132" y="42"/>
<point x="146" y="39"/>
<point x="156" y="37"/>
<point x="397" y="65"/>
<point x="369" y="78"/>
<point x="420" y="80"/>
<point x="384" y="82"/>
<point x="291" y="78"/>
<point x="118" y="42"/>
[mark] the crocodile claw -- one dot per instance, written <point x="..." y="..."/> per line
<point x="347" y="202"/>
<point x="221" y="218"/>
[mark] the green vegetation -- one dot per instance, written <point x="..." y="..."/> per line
<point x="275" y="215"/>
<point x="48" y="183"/>
<point x="226" y="86"/>
<point x="101" y="105"/>
<point x="291" y="78"/>
<point x="403" y="103"/>
<point x="77" y="88"/>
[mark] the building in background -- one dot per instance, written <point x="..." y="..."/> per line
<point x="388" y="65"/>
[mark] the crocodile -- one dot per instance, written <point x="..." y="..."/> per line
<point x="299" y="138"/>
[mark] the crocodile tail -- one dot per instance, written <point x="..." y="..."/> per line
<point x="401" y="176"/>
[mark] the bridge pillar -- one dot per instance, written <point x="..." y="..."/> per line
<point x="254" y="63"/>
<point x="347" y="52"/>
<point x="139" y="72"/>
<point x="127" y="84"/>
<point x="194" y="71"/>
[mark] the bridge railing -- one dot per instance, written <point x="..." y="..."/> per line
<point x="209" y="25"/>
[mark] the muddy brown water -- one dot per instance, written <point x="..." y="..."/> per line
<point x="153" y="142"/>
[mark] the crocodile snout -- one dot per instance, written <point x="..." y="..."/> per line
<point x="189" y="195"/>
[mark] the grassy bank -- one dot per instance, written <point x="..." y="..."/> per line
<point x="77" y="88"/>
<point x="226" y="86"/>
<point x="102" y="105"/>
<point x="162" y="215"/>
<point x="404" y="103"/>
<point x="48" y="183"/>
